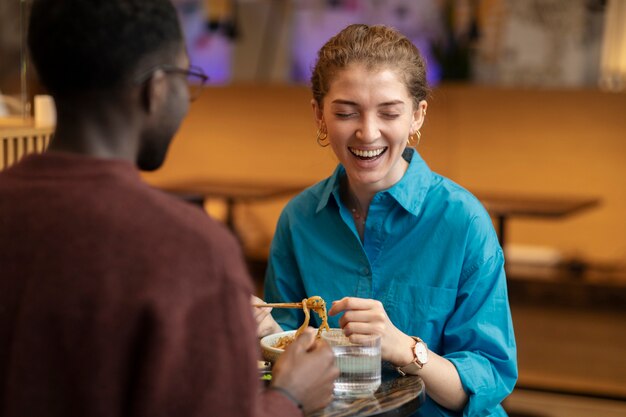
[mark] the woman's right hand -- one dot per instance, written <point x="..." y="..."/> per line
<point x="264" y="321"/>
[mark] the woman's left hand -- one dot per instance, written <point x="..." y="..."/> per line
<point x="368" y="317"/>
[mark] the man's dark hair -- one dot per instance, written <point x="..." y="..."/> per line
<point x="86" y="45"/>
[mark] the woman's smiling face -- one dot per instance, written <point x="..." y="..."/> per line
<point x="369" y="115"/>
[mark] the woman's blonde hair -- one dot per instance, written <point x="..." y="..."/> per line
<point x="375" y="47"/>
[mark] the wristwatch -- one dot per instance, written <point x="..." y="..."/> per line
<point x="420" y="357"/>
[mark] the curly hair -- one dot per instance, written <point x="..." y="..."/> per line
<point x="79" y="45"/>
<point x="375" y="46"/>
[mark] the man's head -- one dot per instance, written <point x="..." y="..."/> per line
<point x="107" y="54"/>
<point x="79" y="45"/>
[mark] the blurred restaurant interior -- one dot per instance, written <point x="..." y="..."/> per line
<point x="527" y="111"/>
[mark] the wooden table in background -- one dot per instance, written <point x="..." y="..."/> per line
<point x="504" y="206"/>
<point x="231" y="192"/>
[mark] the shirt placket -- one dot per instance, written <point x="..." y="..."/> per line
<point x="375" y="234"/>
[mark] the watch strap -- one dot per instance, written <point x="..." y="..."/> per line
<point x="415" y="365"/>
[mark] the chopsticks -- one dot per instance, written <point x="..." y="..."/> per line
<point x="279" y="305"/>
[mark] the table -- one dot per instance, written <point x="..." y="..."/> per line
<point x="504" y="206"/>
<point x="397" y="396"/>
<point x="232" y="192"/>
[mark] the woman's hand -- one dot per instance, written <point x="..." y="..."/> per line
<point x="368" y="317"/>
<point x="365" y="317"/>
<point x="264" y="321"/>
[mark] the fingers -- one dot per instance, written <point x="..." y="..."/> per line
<point x="315" y="349"/>
<point x="353" y="303"/>
<point x="323" y="349"/>
<point x="263" y="317"/>
<point x="362" y="311"/>
<point x="337" y="306"/>
<point x="324" y="357"/>
<point x="355" y="328"/>
<point x="261" y="313"/>
<point x="314" y="358"/>
<point x="361" y="338"/>
<point x="363" y="316"/>
<point x="305" y="341"/>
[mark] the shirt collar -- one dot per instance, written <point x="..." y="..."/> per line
<point x="410" y="192"/>
<point x="331" y="188"/>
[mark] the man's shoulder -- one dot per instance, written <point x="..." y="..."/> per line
<point x="168" y="215"/>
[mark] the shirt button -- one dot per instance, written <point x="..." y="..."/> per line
<point x="365" y="270"/>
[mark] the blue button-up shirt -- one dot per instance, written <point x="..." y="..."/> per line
<point x="430" y="255"/>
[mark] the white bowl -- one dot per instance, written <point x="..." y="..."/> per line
<point x="271" y="353"/>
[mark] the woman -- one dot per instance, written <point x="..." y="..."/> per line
<point x="404" y="252"/>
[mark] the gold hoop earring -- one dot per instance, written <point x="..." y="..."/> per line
<point x="321" y="137"/>
<point x="418" y="135"/>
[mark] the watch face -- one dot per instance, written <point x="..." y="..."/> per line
<point x="421" y="352"/>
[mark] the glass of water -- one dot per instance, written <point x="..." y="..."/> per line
<point x="359" y="364"/>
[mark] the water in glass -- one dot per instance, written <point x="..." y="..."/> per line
<point x="359" y="364"/>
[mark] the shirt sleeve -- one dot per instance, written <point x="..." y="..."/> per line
<point x="479" y="335"/>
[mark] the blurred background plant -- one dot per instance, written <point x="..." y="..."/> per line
<point x="460" y="32"/>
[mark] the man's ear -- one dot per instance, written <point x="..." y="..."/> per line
<point x="154" y="92"/>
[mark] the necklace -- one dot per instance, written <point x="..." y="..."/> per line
<point x="357" y="215"/>
<point x="354" y="205"/>
<point x="356" y="209"/>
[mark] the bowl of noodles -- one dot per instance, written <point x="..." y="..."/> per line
<point x="273" y="345"/>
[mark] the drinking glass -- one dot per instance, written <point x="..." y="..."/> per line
<point x="359" y="364"/>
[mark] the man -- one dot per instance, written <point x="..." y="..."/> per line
<point x="116" y="299"/>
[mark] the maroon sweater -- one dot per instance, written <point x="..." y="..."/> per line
<point x="118" y="300"/>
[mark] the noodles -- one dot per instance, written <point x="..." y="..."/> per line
<point x="284" y="341"/>
<point x="315" y="303"/>
<point x="307" y="317"/>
